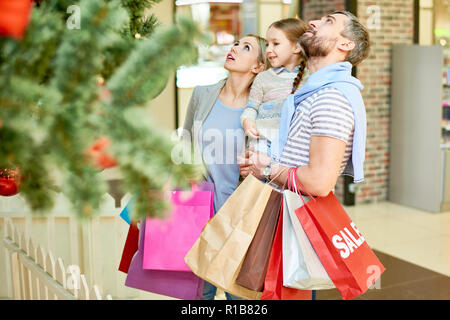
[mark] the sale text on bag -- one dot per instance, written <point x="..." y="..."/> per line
<point x="347" y="242"/>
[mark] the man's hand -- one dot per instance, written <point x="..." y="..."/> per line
<point x="253" y="163"/>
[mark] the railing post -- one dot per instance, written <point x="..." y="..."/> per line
<point x="15" y="275"/>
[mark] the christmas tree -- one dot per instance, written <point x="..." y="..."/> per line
<point x="72" y="92"/>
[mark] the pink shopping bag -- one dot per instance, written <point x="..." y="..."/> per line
<point x="167" y="241"/>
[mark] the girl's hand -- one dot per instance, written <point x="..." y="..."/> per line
<point x="250" y="128"/>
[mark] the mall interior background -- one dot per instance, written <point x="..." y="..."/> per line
<point x="391" y="23"/>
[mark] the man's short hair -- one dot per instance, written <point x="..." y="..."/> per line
<point x="358" y="33"/>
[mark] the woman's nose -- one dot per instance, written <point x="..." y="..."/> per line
<point x="234" y="49"/>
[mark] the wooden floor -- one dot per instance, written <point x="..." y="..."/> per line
<point x="402" y="280"/>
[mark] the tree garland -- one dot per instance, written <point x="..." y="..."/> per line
<point x="64" y="92"/>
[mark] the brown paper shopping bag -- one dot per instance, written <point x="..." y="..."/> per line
<point x="254" y="267"/>
<point x="218" y="253"/>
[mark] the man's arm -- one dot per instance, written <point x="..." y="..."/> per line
<point x="319" y="176"/>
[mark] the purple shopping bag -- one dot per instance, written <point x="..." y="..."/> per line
<point x="178" y="284"/>
<point x="167" y="241"/>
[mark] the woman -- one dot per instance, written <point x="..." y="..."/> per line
<point x="213" y="122"/>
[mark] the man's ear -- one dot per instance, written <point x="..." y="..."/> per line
<point x="346" y="45"/>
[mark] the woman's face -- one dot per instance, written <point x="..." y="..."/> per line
<point x="243" y="56"/>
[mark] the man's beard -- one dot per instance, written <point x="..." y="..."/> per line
<point x="314" y="46"/>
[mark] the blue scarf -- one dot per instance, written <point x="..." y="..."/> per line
<point x="336" y="76"/>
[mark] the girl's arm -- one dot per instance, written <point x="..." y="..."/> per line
<point x="254" y="100"/>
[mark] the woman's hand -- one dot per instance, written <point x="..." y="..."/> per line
<point x="245" y="163"/>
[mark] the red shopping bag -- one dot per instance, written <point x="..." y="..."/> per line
<point x="273" y="283"/>
<point x="130" y="247"/>
<point x="349" y="261"/>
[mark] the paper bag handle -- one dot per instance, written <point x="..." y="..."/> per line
<point x="277" y="175"/>
<point x="294" y="181"/>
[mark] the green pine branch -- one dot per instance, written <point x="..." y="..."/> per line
<point x="51" y="108"/>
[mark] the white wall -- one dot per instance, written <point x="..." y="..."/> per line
<point x="162" y="109"/>
<point x="426" y="22"/>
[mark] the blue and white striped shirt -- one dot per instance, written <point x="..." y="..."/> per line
<point x="325" y="113"/>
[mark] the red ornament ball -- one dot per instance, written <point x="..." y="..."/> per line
<point x="9" y="183"/>
<point x="14" y="17"/>
<point x="97" y="152"/>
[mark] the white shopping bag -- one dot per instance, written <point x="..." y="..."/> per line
<point x="302" y="268"/>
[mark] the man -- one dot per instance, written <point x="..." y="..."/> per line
<point x="325" y="124"/>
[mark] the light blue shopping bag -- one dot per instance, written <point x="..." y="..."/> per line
<point x="125" y="214"/>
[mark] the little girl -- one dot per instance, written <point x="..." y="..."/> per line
<point x="261" y="116"/>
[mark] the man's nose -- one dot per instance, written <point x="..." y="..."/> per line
<point x="313" y="24"/>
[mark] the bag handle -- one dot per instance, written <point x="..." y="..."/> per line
<point x="302" y="188"/>
<point x="292" y="180"/>
<point x="278" y="174"/>
<point x="289" y="180"/>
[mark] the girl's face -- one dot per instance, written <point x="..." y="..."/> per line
<point x="280" y="51"/>
<point x="243" y="56"/>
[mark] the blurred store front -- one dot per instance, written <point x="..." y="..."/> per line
<point x="435" y="16"/>
<point x="227" y="20"/>
<point x="433" y="54"/>
<point x="435" y="19"/>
